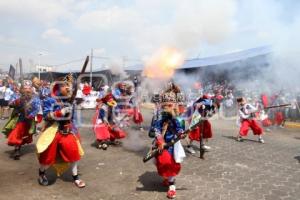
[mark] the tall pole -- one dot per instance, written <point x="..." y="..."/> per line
<point x="17" y="68"/>
<point x="38" y="68"/>
<point x="91" y="69"/>
<point x="21" y="69"/>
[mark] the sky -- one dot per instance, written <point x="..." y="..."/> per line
<point x="58" y="32"/>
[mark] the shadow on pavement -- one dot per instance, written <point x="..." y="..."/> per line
<point x="26" y="149"/>
<point x="66" y="176"/>
<point x="297" y="158"/>
<point x="244" y="139"/>
<point x="151" y="182"/>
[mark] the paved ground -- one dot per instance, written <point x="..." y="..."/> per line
<point x="232" y="170"/>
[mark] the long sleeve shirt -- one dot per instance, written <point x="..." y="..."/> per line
<point x="173" y="130"/>
<point x="247" y="111"/>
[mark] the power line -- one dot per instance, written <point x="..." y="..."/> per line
<point x="102" y="57"/>
<point x="69" y="62"/>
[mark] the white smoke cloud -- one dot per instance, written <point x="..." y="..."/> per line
<point x="116" y="66"/>
<point x="46" y="12"/>
<point x="148" y="25"/>
<point x="274" y="22"/>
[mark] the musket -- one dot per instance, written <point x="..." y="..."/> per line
<point x="71" y="100"/>
<point x="155" y="150"/>
<point x="202" y="150"/>
<point x="270" y="107"/>
<point x="278" y="106"/>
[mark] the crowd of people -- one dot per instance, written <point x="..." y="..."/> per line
<point x="178" y="114"/>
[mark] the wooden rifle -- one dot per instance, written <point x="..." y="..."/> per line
<point x="71" y="100"/>
<point x="155" y="150"/>
<point x="270" y="107"/>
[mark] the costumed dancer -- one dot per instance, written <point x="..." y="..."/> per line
<point x="218" y="99"/>
<point x="168" y="128"/>
<point x="87" y="89"/>
<point x="247" y="120"/>
<point x="279" y="112"/>
<point x="156" y="99"/>
<point x="204" y="107"/>
<point x="22" y="124"/>
<point x="122" y="92"/>
<point x="119" y="93"/>
<point x="105" y="129"/>
<point x="179" y="107"/>
<point x="59" y="144"/>
<point x="266" y="122"/>
<point x="137" y="116"/>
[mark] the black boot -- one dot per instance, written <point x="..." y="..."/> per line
<point x="17" y="153"/>
<point x="42" y="178"/>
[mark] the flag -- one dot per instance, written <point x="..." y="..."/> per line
<point x="11" y="72"/>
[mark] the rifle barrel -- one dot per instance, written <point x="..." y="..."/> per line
<point x="278" y="106"/>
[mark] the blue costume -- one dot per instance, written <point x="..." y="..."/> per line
<point x="174" y="128"/>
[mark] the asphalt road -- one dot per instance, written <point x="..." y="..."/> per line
<point x="231" y="170"/>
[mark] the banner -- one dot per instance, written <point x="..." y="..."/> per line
<point x="11" y="72"/>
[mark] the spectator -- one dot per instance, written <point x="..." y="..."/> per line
<point x="2" y="101"/>
<point x="8" y="93"/>
<point x="86" y="89"/>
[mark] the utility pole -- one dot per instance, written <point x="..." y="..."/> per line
<point x="91" y="69"/>
<point x="21" y="69"/>
<point x="17" y="68"/>
<point x="39" y="67"/>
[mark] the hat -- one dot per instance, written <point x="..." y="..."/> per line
<point x="36" y="82"/>
<point x="180" y="97"/>
<point x="109" y="100"/>
<point x="27" y="84"/>
<point x="60" y="81"/>
<point x="168" y="97"/>
<point x="205" y="96"/>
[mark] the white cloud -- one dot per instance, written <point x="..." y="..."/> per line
<point x="56" y="35"/>
<point x="148" y="25"/>
<point x="47" y="12"/>
<point x="108" y="19"/>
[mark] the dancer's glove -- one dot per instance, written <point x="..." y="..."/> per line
<point x="160" y="143"/>
<point x="66" y="110"/>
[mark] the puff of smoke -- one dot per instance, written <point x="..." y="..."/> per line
<point x="134" y="141"/>
<point x="202" y="21"/>
<point x="275" y="23"/>
<point x="186" y="25"/>
<point x="150" y="86"/>
<point x="116" y="67"/>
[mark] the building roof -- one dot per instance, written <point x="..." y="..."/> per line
<point x="217" y="60"/>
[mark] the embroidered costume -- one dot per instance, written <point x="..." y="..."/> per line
<point x="59" y="144"/>
<point x="22" y="122"/>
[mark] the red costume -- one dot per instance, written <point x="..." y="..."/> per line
<point x="59" y="144"/>
<point x="104" y="128"/>
<point x="247" y="115"/>
<point x="196" y="133"/>
<point x="22" y="124"/>
<point x="86" y="90"/>
<point x="207" y="106"/>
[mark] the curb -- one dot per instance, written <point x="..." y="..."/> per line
<point x="292" y="125"/>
